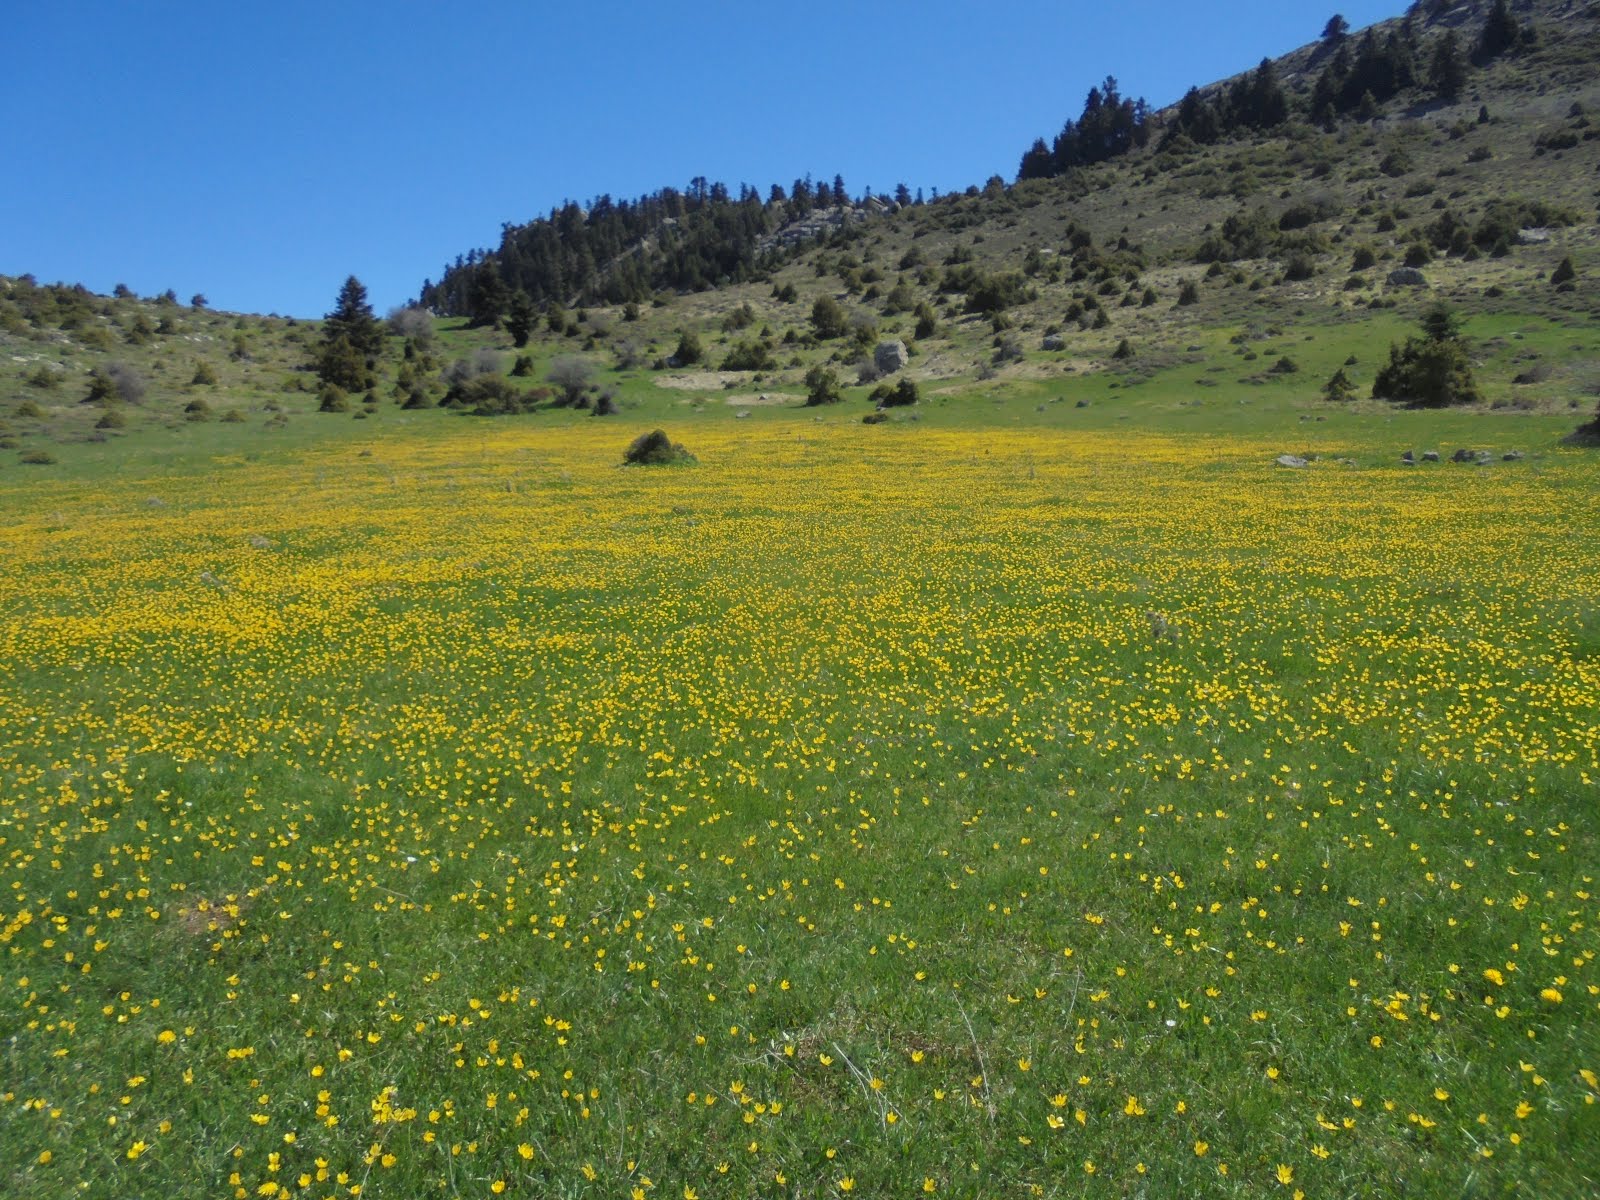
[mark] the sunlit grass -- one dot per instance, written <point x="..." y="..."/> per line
<point x="904" y="812"/>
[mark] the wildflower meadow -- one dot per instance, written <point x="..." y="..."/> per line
<point x="897" y="812"/>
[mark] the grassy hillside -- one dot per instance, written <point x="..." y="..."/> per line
<point x="1286" y="242"/>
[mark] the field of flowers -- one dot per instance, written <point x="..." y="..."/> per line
<point x="901" y="812"/>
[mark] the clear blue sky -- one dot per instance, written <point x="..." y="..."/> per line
<point x="259" y="153"/>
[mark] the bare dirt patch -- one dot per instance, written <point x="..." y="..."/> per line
<point x="700" y="381"/>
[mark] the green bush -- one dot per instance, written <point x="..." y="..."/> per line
<point x="1339" y="389"/>
<point x="822" y="386"/>
<point x="1432" y="371"/>
<point x="828" y="318"/>
<point x="656" y="449"/>
<point x="750" y="356"/>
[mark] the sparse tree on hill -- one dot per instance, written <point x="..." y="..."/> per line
<point x="1500" y="33"/>
<point x="828" y="318"/>
<point x="1339" y="389"/>
<point x="822" y="386"/>
<point x="519" y="324"/>
<point x="689" y="350"/>
<point x="1432" y="371"/>
<point x="1336" y="30"/>
<point x="352" y="339"/>
<point x="1448" y="70"/>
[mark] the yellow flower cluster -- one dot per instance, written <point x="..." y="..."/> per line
<point x="890" y="815"/>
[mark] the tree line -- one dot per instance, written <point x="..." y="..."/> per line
<point x="1357" y="75"/>
<point x="622" y="251"/>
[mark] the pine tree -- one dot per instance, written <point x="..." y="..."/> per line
<point x="1500" y="33"/>
<point x="1448" y="70"/>
<point x="487" y="296"/>
<point x="520" y="323"/>
<point x="1432" y="371"/>
<point x="352" y="340"/>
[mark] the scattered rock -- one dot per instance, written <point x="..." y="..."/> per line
<point x="874" y="418"/>
<point x="1409" y="458"/>
<point x="1463" y="456"/>
<point x="1407" y="277"/>
<point x="1511" y="456"/>
<point x="1532" y="237"/>
<point x="259" y="542"/>
<point x="1054" y="342"/>
<point x="741" y="415"/>
<point x="1081" y="404"/>
<point x="890" y="357"/>
<point x="1291" y="460"/>
<point x="1430" y="456"/>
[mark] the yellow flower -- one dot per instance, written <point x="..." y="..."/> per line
<point x="137" y="1149"/>
<point x="498" y="1186"/>
<point x="1285" y="1174"/>
<point x="1200" y="1148"/>
<point x="847" y="1184"/>
<point x="1550" y="996"/>
<point x="526" y="1151"/>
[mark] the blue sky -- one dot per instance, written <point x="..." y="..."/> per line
<point x="259" y="153"/>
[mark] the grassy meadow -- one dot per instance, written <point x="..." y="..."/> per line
<point x="922" y="810"/>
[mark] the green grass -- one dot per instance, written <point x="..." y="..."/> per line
<point x="462" y="763"/>
<point x="406" y="805"/>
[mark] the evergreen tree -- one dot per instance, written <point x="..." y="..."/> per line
<point x="352" y="340"/>
<point x="488" y="296"/>
<point x="1500" y="33"/>
<point x="1336" y="29"/>
<point x="1432" y="371"/>
<point x="520" y="323"/>
<point x="1448" y="70"/>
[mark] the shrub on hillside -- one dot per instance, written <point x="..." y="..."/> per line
<point x="828" y="318"/>
<point x="1431" y="371"/>
<point x="656" y="449"/>
<point x="753" y="355"/>
<point x="572" y="375"/>
<point x="822" y="386"/>
<point x="1339" y="389"/>
<point x="901" y="395"/>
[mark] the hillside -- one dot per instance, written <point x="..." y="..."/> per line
<point x="1170" y="276"/>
